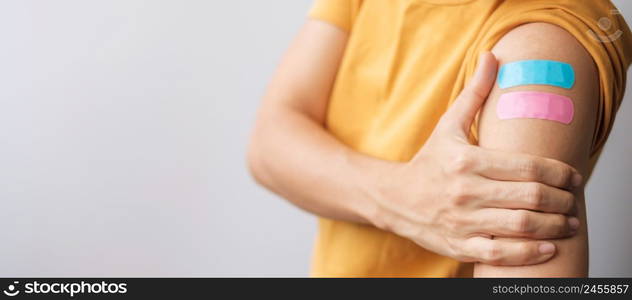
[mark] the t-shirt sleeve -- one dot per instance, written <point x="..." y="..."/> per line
<point x="340" y="13"/>
<point x="596" y="25"/>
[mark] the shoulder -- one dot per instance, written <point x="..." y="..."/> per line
<point x="571" y="32"/>
<point x="550" y="42"/>
<point x="543" y="41"/>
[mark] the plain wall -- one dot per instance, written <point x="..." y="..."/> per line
<point x="123" y="128"/>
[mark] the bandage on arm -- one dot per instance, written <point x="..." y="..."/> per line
<point x="565" y="141"/>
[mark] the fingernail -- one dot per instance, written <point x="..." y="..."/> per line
<point x="573" y="223"/>
<point x="546" y="248"/>
<point x="577" y="180"/>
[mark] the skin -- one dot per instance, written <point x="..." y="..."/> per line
<point x="569" y="143"/>
<point x="446" y="199"/>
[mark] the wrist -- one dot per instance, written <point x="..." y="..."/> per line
<point x="375" y="186"/>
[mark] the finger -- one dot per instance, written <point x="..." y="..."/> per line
<point x="526" y="195"/>
<point x="508" y="253"/>
<point x="500" y="165"/>
<point x="522" y="224"/>
<point x="462" y="112"/>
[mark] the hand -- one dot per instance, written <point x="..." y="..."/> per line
<point x="453" y="197"/>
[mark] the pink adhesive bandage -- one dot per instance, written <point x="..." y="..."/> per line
<point x="535" y="105"/>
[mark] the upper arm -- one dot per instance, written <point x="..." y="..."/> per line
<point x="306" y="74"/>
<point x="570" y="143"/>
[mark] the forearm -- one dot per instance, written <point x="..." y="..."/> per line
<point x="294" y="156"/>
<point x="291" y="152"/>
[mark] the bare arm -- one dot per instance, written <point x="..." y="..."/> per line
<point x="569" y="143"/>
<point x="291" y="153"/>
<point x="429" y="200"/>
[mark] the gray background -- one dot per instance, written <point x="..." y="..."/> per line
<point x="123" y="127"/>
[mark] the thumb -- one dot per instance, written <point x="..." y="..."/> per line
<point x="464" y="109"/>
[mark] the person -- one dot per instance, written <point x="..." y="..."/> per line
<point x="381" y="119"/>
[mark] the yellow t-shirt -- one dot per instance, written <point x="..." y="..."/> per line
<point x="405" y="62"/>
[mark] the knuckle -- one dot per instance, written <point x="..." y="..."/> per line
<point x="525" y="252"/>
<point x="453" y="223"/>
<point x="462" y="162"/>
<point x="521" y="222"/>
<point x="459" y="193"/>
<point x="472" y="91"/>
<point x="560" y="224"/>
<point x="566" y="175"/>
<point x="499" y="189"/>
<point x="524" y="249"/>
<point x="492" y="254"/>
<point x="529" y="168"/>
<point x="535" y="196"/>
<point x="568" y="202"/>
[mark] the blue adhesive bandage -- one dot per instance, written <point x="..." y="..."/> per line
<point x="546" y="72"/>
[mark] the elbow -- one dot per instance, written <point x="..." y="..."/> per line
<point x="262" y="159"/>
<point x="255" y="158"/>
